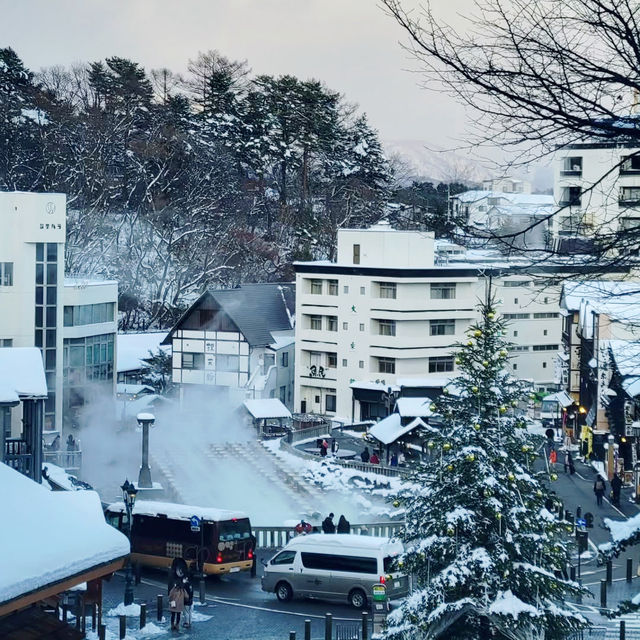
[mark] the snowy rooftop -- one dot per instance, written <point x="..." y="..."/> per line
<point x="428" y="383"/>
<point x="280" y="342"/>
<point x="55" y="534"/>
<point x="177" y="511"/>
<point x="133" y="389"/>
<point x="146" y="402"/>
<point x="80" y="281"/>
<point x="389" y="429"/>
<point x="371" y="386"/>
<point x="596" y="290"/>
<point x="414" y="407"/>
<point x="133" y="348"/>
<point x="267" y="408"/>
<point x="561" y="397"/>
<point x="512" y="198"/>
<point x="626" y="356"/>
<point x="346" y="540"/>
<point x="21" y="374"/>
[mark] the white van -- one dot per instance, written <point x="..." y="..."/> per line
<point x="335" y="567"/>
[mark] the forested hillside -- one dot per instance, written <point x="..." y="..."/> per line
<point x="175" y="183"/>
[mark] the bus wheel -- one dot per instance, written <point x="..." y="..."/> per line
<point x="284" y="592"/>
<point x="357" y="599"/>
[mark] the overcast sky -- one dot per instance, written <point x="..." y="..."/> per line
<point x="351" y="45"/>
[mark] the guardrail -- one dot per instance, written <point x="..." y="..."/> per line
<point x="310" y="432"/>
<point x="68" y="460"/>
<point x="276" y="537"/>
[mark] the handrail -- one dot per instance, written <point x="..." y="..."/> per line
<point x="276" y="537"/>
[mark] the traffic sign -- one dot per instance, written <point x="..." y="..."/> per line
<point x="581" y="522"/>
<point x="195" y="523"/>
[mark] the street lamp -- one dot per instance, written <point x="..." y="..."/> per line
<point x="129" y="496"/>
<point x="145" y="420"/>
<point x="636" y="481"/>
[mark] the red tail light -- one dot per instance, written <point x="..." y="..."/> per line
<point x="382" y="580"/>
<point x="219" y="558"/>
<point x="250" y="554"/>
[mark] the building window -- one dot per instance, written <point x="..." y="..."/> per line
<point x="387" y="327"/>
<point x="388" y="290"/>
<point x="545" y="347"/>
<point x="515" y="366"/>
<point x="284" y="359"/>
<point x="316" y="287"/>
<point x="356" y="254"/>
<point x="230" y="363"/>
<point x="515" y="334"/>
<point x="544" y="365"/>
<point x="283" y="394"/>
<point x="6" y="274"/>
<point x="386" y="365"/>
<point x="361" y="364"/>
<point x="88" y="314"/>
<point x="630" y="165"/>
<point x="516" y="283"/>
<point x="515" y="301"/>
<point x="362" y="291"/>
<point x="440" y="364"/>
<point x="192" y="360"/>
<point x="332" y="323"/>
<point x="316" y="399"/>
<point x="344" y="362"/>
<point x="539" y="316"/>
<point x="544" y="332"/>
<point x="6" y="342"/>
<point x="570" y="197"/>
<point x="346" y="288"/>
<point x="443" y="291"/>
<point x="345" y="326"/>
<point x="519" y="348"/>
<point x="332" y="360"/>
<point x="515" y="316"/>
<point x="442" y="327"/>
<point x="362" y="326"/>
<point x="333" y="287"/>
<point x="330" y="402"/>
<point x="316" y="323"/>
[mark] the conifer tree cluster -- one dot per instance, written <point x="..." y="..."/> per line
<point x="486" y="554"/>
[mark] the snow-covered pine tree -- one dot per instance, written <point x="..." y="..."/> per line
<point x="485" y="553"/>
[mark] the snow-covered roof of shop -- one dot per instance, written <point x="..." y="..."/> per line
<point x="414" y="407"/>
<point x="561" y="397"/>
<point x="21" y="374"/>
<point x="513" y="198"/>
<point x="428" y="383"/>
<point x="267" y="408"/>
<point x="177" y="511"/>
<point x="80" y="281"/>
<point x="632" y="386"/>
<point x="372" y="386"/>
<point x="389" y="429"/>
<point x="280" y="342"/>
<point x="54" y="535"/>
<point x="626" y="355"/>
<point x="146" y="402"/>
<point x="573" y="293"/>
<point x="133" y="389"/>
<point x="133" y="348"/>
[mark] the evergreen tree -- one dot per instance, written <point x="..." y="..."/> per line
<point x="486" y="554"/>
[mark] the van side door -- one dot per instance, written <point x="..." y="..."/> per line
<point x="353" y="572"/>
<point x="315" y="576"/>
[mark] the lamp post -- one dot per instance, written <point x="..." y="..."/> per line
<point x="636" y="481"/>
<point x="129" y="496"/>
<point x="145" y="420"/>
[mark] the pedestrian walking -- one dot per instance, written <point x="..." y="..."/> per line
<point x="188" y="600"/>
<point x="343" y="525"/>
<point x="176" y="604"/>
<point x="599" y="487"/>
<point x="616" y="486"/>
<point x="569" y="460"/>
<point x="327" y="524"/>
<point x="394" y="460"/>
<point x="567" y="456"/>
<point x="553" y="458"/>
<point x="323" y="449"/>
<point x="364" y="456"/>
<point x="374" y="458"/>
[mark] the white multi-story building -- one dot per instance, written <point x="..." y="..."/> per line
<point x="596" y="188"/>
<point x="36" y="300"/>
<point x="388" y="309"/>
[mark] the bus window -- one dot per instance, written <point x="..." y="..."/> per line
<point x="230" y="530"/>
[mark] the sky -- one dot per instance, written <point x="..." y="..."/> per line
<point x="351" y="45"/>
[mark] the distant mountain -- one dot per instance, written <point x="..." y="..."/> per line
<point x="423" y="161"/>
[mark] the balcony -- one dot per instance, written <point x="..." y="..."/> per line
<point x="575" y="173"/>
<point x="320" y="373"/>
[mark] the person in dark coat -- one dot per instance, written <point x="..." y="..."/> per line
<point x="599" y="487"/>
<point x="343" y="525"/>
<point x="323" y="449"/>
<point x="616" y="486"/>
<point x="572" y="466"/>
<point x="394" y="460"/>
<point x="364" y="456"/>
<point x="327" y="524"/>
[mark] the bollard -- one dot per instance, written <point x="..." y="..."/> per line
<point x="292" y="635"/>
<point x="94" y="617"/>
<point x="203" y="591"/>
<point x="307" y="630"/>
<point x="572" y="574"/>
<point x="365" y="625"/>
<point x="123" y="627"/>
<point x="560" y="509"/>
<point x="623" y="630"/>
<point x="629" y="569"/>
<point x="570" y="518"/>
<point x="609" y="572"/>
<point x="143" y="615"/>
<point x="603" y="594"/>
<point x="159" y="606"/>
<point x="102" y="631"/>
<point x="578" y="512"/>
<point x="328" y="626"/>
